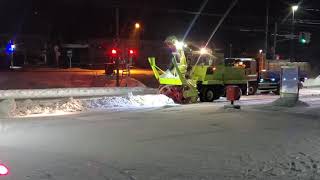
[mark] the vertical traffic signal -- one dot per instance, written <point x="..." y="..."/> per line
<point x="132" y="52"/>
<point x="304" y="37"/>
<point x="114" y="52"/>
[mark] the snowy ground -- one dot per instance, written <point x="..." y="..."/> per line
<point x="186" y="142"/>
<point x="65" y="106"/>
<point x="313" y="82"/>
<point x="143" y="137"/>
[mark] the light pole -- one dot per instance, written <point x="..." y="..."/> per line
<point x="118" y="43"/>
<point x="294" y="9"/>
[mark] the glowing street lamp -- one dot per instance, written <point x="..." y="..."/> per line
<point x="260" y="51"/>
<point x="137" y="25"/>
<point x="295" y="8"/>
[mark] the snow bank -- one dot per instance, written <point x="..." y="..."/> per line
<point x="54" y="107"/>
<point x="29" y="107"/>
<point x="130" y="101"/>
<point x="310" y="92"/>
<point x="312" y="82"/>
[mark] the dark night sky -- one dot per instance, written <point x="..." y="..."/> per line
<point x="82" y="19"/>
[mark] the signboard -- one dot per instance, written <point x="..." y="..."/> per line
<point x="69" y="54"/>
<point x="289" y="80"/>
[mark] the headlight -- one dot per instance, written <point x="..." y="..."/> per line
<point x="273" y="79"/>
<point x="261" y="80"/>
<point x="179" y="45"/>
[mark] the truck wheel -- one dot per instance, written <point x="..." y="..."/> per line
<point x="252" y="90"/>
<point x="208" y="95"/>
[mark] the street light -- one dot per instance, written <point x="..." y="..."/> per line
<point x="294" y="8"/>
<point x="260" y="51"/>
<point x="137" y="25"/>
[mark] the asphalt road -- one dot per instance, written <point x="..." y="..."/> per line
<point x="42" y="78"/>
<point x="199" y="141"/>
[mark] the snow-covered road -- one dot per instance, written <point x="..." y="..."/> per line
<point x="149" y="137"/>
<point x="133" y="102"/>
<point x="197" y="141"/>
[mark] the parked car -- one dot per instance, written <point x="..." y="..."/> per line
<point x="269" y="81"/>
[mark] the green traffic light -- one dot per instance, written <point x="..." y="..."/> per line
<point x="303" y="41"/>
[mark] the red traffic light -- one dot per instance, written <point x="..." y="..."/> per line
<point x="132" y="52"/>
<point x="114" y="51"/>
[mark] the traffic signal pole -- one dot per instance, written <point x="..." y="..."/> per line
<point x="292" y="39"/>
<point x="275" y="40"/>
<point x="267" y="29"/>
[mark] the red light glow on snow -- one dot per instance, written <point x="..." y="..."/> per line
<point x="3" y="170"/>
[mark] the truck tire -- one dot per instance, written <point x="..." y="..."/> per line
<point x="252" y="89"/>
<point x="209" y="94"/>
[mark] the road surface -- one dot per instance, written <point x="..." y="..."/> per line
<point x="42" y="78"/>
<point x="199" y="141"/>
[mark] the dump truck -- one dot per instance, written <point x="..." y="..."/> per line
<point x="200" y="77"/>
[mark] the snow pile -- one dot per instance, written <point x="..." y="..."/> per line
<point x="312" y="82"/>
<point x="145" y="101"/>
<point x="29" y="107"/>
<point x="55" y="107"/>
<point x="310" y="92"/>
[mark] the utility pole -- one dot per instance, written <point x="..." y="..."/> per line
<point x="267" y="28"/>
<point x="117" y="39"/>
<point x="292" y="39"/>
<point x="275" y="40"/>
